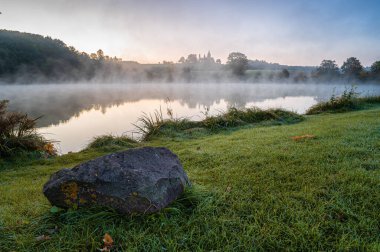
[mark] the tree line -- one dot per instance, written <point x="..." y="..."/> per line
<point x="328" y="70"/>
<point x="28" y="58"/>
<point x="350" y="69"/>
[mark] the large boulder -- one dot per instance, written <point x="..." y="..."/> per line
<point x="142" y="180"/>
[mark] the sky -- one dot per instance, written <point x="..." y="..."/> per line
<point x="293" y="32"/>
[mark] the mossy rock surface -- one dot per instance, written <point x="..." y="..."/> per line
<point x="142" y="180"/>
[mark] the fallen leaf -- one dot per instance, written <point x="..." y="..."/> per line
<point x="303" y="137"/>
<point x="50" y="149"/>
<point x="108" y="242"/>
<point x="107" y="239"/>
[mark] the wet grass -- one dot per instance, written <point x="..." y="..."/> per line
<point x="348" y="101"/>
<point x="154" y="125"/>
<point x="110" y="142"/>
<point x="255" y="189"/>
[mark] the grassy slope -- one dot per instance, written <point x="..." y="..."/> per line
<point x="255" y="189"/>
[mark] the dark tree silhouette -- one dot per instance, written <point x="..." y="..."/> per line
<point x="100" y="54"/>
<point x="375" y="68"/>
<point x="285" y="73"/>
<point x="327" y="69"/>
<point x="352" y="67"/>
<point x="192" y="59"/>
<point x="238" y="63"/>
<point x="182" y="60"/>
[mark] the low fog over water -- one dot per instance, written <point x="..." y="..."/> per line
<point x="74" y="113"/>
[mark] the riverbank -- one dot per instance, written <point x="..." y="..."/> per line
<point x="255" y="188"/>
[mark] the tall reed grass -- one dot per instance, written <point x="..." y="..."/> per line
<point x="349" y="100"/>
<point x="150" y="125"/>
<point x="18" y="134"/>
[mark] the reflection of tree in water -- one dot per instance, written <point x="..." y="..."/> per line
<point x="59" y="103"/>
<point x="237" y="100"/>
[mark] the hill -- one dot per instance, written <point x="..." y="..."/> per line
<point x="26" y="57"/>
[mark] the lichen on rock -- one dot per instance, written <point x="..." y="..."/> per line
<point x="142" y="180"/>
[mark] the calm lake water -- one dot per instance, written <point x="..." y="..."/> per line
<point x="74" y="113"/>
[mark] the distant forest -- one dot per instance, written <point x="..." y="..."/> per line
<point x="31" y="58"/>
<point x="26" y="57"/>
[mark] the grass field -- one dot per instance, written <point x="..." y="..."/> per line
<point x="255" y="188"/>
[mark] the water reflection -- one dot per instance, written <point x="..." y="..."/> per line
<point x="74" y="113"/>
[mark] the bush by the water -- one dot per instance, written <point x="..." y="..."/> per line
<point x="348" y="101"/>
<point x="110" y="142"/>
<point x="152" y="125"/>
<point x="18" y="134"/>
<point x="238" y="117"/>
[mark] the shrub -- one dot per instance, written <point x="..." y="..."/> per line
<point x="237" y="117"/>
<point x="370" y="99"/>
<point x="152" y="125"/>
<point x="18" y="134"/>
<point x="111" y="142"/>
<point x="348" y="101"/>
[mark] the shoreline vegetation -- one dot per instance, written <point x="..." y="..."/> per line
<point x="154" y="125"/>
<point x="348" y="101"/>
<point x="151" y="126"/>
<point x="19" y="136"/>
<point x="310" y="185"/>
<point x="30" y="58"/>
